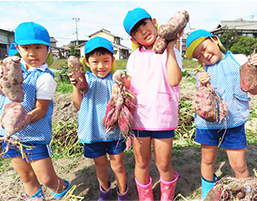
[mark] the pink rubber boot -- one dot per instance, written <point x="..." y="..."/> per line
<point x="145" y="192"/>
<point x="168" y="188"/>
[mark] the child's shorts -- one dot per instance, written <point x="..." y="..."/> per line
<point x="234" y="138"/>
<point x="154" y="134"/>
<point x="33" y="151"/>
<point x="97" y="149"/>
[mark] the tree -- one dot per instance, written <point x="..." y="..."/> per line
<point x="74" y="51"/>
<point x="238" y="44"/>
<point x="244" y="45"/>
<point x="229" y="37"/>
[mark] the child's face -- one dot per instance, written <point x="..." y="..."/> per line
<point x="34" y="55"/>
<point x="208" y="52"/>
<point x="100" y="64"/>
<point x="146" y="33"/>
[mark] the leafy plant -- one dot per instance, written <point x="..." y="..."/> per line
<point x="186" y="124"/>
<point x="65" y="140"/>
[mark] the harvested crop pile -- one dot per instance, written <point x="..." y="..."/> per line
<point x="14" y="119"/>
<point x="11" y="78"/>
<point x="248" y="77"/>
<point x="170" y="30"/>
<point x="229" y="188"/>
<point x="77" y="72"/>
<point x="206" y="104"/>
<point x="120" y="108"/>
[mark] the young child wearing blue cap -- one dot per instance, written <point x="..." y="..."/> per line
<point x="154" y="80"/>
<point x="92" y="107"/>
<point x="222" y="70"/>
<point x="33" y="44"/>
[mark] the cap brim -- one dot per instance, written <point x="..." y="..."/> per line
<point x="30" y="42"/>
<point x="191" y="48"/>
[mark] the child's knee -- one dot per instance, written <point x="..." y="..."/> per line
<point x="27" y="177"/>
<point x="118" y="168"/>
<point x="163" y="166"/>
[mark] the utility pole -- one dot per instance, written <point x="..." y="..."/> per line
<point x="76" y="30"/>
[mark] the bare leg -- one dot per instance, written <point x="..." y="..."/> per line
<point x="209" y="156"/>
<point x="119" y="171"/>
<point x="142" y="152"/>
<point x="101" y="166"/>
<point x="237" y="162"/>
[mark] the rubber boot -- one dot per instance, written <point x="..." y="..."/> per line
<point x="59" y="196"/>
<point x="124" y="196"/>
<point x="168" y="188"/>
<point x="207" y="185"/>
<point x="145" y="192"/>
<point x="105" y="195"/>
<point x="38" y="194"/>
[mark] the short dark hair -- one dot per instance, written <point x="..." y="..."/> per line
<point x="98" y="51"/>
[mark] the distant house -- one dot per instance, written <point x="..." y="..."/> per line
<point x="243" y="27"/>
<point x="6" y="38"/>
<point x="120" y="51"/>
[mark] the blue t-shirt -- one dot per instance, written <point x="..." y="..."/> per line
<point x="92" y="111"/>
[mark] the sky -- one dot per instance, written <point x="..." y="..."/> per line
<point x="58" y="17"/>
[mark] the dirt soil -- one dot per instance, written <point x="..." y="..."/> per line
<point x="81" y="171"/>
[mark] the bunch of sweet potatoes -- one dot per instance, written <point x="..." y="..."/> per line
<point x="120" y="108"/>
<point x="206" y="104"/>
<point x="77" y="72"/>
<point x="170" y="30"/>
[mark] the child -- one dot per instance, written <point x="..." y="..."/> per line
<point x="154" y="80"/>
<point x="92" y="107"/>
<point x="33" y="44"/>
<point x="222" y="70"/>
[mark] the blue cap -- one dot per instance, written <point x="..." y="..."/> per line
<point x="12" y="50"/>
<point x="97" y="42"/>
<point x="28" y="33"/>
<point x="195" y="38"/>
<point x="133" y="17"/>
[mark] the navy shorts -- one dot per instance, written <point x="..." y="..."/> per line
<point x="154" y="134"/>
<point x="234" y="138"/>
<point x="33" y="151"/>
<point x="97" y="149"/>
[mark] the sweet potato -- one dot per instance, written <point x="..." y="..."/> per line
<point x="120" y="108"/>
<point x="78" y="72"/>
<point x="248" y="77"/>
<point x="11" y="79"/>
<point x="125" y="120"/>
<point x="206" y="104"/>
<point x="170" y="30"/>
<point x="14" y="118"/>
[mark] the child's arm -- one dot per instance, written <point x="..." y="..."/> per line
<point x="76" y="95"/>
<point x="76" y="98"/>
<point x="174" y="74"/>
<point x="39" y="111"/>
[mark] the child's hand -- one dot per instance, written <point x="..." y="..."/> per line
<point x="253" y="59"/>
<point x="204" y="78"/>
<point x="72" y="80"/>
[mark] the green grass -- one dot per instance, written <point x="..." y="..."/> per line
<point x="57" y="64"/>
<point x="64" y="87"/>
